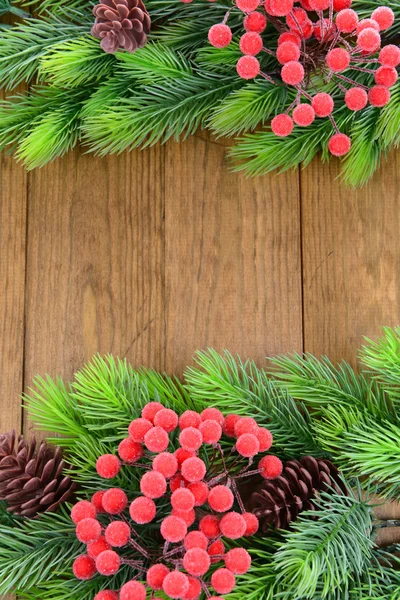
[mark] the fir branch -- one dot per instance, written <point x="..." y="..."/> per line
<point x="6" y="6"/>
<point x="388" y="126"/>
<point x="383" y="358"/>
<point x="154" y="64"/>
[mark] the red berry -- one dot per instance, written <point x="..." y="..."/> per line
<point x="246" y="425"/>
<point x="356" y="98"/>
<point x="182" y="499"/>
<point x="195" y="539"/>
<point x="173" y="529"/>
<point x="341" y="4"/>
<point x="166" y="464"/>
<point x="118" y="533"/>
<point x="238" y="560"/>
<point x="366" y="23"/>
<point x="251" y="43"/>
<point x="306" y="5"/>
<point x="189" y="516"/>
<point x="106" y="595"/>
<point x="271" y="467"/>
<point x="303" y="115"/>
<point x="196" y="562"/>
<point x="322" y="31"/>
<point x="115" y="501"/>
<point x="176" y="482"/>
<point x="347" y="20"/>
<point x="229" y="424"/>
<point x="220" y="35"/>
<point x="223" y="581"/>
<point x="108" y="563"/>
<point x="97" y="500"/>
<point x="248" y="67"/>
<point x="182" y="454"/>
<point x="176" y="584"/>
<point x="212" y="414"/>
<point x="384" y="16"/>
<point x="255" y="21"/>
<point x="138" y="429"/>
<point x="211" y="431"/>
<point x="287" y="51"/>
<point x="390" y="55"/>
<point x="220" y="498"/>
<point x="199" y="490"/>
<point x="83" y="510"/>
<point x="167" y="419"/>
<point x="156" y="575"/>
<point x="189" y="418"/>
<point x="97" y="547"/>
<point x="209" y="525"/>
<point x="319" y="4"/>
<point x="153" y="485"/>
<point x="322" y="104"/>
<point x="216" y="550"/>
<point x="108" y="466"/>
<point x="233" y="526"/>
<point x="88" y="530"/>
<point x="150" y="410"/>
<point x="289" y="36"/>
<point x="132" y="590"/>
<point x="130" y="451"/>
<point x="247" y="6"/>
<point x="252" y="523"/>
<point x="282" y="125"/>
<point x="191" y="439"/>
<point x="84" y="567"/>
<point x="156" y="439"/>
<point x="264" y="437"/>
<point x="338" y="59"/>
<point x="292" y="72"/>
<point x="280" y="8"/>
<point x="379" y="95"/>
<point x="339" y="144"/>
<point x="194" y="590"/>
<point x="193" y="469"/>
<point x="369" y="40"/>
<point x="247" y="445"/>
<point x="386" y="76"/>
<point x="142" y="510"/>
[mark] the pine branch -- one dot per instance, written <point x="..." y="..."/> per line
<point x="388" y="126"/>
<point x="155" y="63"/>
<point x="383" y="358"/>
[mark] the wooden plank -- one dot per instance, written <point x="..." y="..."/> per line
<point x="95" y="262"/>
<point x="351" y="258"/>
<point x="232" y="257"/>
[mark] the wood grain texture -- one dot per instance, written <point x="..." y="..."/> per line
<point x="351" y="258"/>
<point x="232" y="257"/>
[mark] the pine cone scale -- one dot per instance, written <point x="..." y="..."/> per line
<point x="121" y="25"/>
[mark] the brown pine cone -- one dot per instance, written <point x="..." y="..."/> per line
<point x="121" y="25"/>
<point x="31" y="481"/>
<point x="279" y="501"/>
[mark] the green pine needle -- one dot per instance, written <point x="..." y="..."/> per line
<point x="383" y="358"/>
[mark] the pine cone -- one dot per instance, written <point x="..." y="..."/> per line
<point x="278" y="502"/>
<point x="31" y="481"/>
<point x="121" y="24"/>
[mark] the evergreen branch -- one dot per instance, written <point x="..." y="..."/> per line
<point x="6" y="6"/>
<point x="154" y="64"/>
<point x="388" y="126"/>
<point x="383" y="358"/>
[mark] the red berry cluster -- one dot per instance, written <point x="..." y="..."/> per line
<point x="323" y="37"/>
<point x="200" y="510"/>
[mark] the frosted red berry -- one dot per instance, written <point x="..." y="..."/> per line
<point x="195" y="539"/>
<point x="182" y="454"/>
<point x="108" y="466"/>
<point x="84" y="567"/>
<point x="189" y="516"/>
<point x="167" y="419"/>
<point x="210" y="430"/>
<point x="138" y="429"/>
<point x="176" y="584"/>
<point x="338" y="59"/>
<point x="229" y="425"/>
<point x="386" y="76"/>
<point x="153" y="485"/>
<point x="339" y="144"/>
<point x="282" y="125"/>
<point x="252" y="523"/>
<point x="173" y="529"/>
<point x="194" y="590"/>
<point x="270" y="466"/>
<point x="182" y="499"/>
<point x="292" y="72"/>
<point x="150" y="410"/>
<point x="88" y="530"/>
<point x="247" y="445"/>
<point x="216" y="550"/>
<point x="390" y="55"/>
<point x="248" y="67"/>
<point x="132" y="590"/>
<point x="97" y="547"/>
<point x="108" y="563"/>
<point x="106" y="595"/>
<point x="280" y="8"/>
<point x="356" y="98"/>
<point x="246" y="425"/>
<point x="191" y="439"/>
<point x="289" y="36"/>
<point x="384" y="16"/>
<point x="118" y="533"/>
<point x="287" y="51"/>
<point x="212" y="414"/>
<point x="347" y="20"/>
<point x="324" y="30"/>
<point x="155" y="576"/>
<point x="220" y="35"/>
<point x="193" y="469"/>
<point x="379" y="95"/>
<point x="322" y="104"/>
<point x="369" y="40"/>
<point x="303" y="115"/>
<point x="189" y="418"/>
<point x="130" y="451"/>
<point x="200" y="492"/>
<point x="83" y="510"/>
<point x="196" y="562"/>
<point x="251" y="43"/>
<point x="220" y="498"/>
<point x="223" y="581"/>
<point x="247" y="6"/>
<point x="255" y="21"/>
<point x="166" y="464"/>
<point x="341" y="4"/>
<point x="115" y="501"/>
<point x="156" y="439"/>
<point x="319" y="4"/>
<point x="142" y="510"/>
<point x="232" y="525"/>
<point x="366" y="23"/>
<point x="176" y="482"/>
<point x="264" y="437"/>
<point x="238" y="560"/>
<point x="97" y="500"/>
<point x="209" y="525"/>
